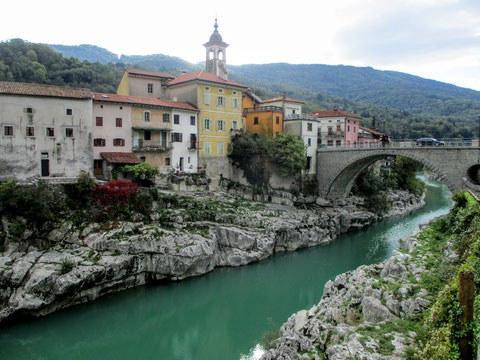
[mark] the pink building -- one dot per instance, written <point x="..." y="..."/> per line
<point x="337" y="128"/>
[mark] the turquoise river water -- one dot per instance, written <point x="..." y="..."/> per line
<point x="221" y="315"/>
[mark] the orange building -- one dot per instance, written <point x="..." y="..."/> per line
<point x="261" y="119"/>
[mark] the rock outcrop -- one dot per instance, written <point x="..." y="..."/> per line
<point x="80" y="265"/>
<point x="360" y="314"/>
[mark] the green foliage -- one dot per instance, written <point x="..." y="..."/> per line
<point x="372" y="186"/>
<point x="405" y="174"/>
<point x="287" y="151"/>
<point x="67" y="265"/>
<point x="270" y="336"/>
<point x="144" y="173"/>
<point x="254" y="154"/>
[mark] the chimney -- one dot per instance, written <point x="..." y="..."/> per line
<point x="284" y="95"/>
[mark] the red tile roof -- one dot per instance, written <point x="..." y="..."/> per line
<point x="149" y="73"/>
<point x="120" y="158"/>
<point x="15" y="88"/>
<point x="137" y="100"/>
<point x="281" y="98"/>
<point x="334" y="113"/>
<point x="205" y="76"/>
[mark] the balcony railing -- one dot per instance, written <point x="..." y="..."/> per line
<point x="263" y="109"/>
<point x="194" y="145"/>
<point x="332" y="134"/>
<point x="300" y="117"/>
<point x="149" y="147"/>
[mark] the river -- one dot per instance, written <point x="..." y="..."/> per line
<point x="221" y="315"/>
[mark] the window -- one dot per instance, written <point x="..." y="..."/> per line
<point x="330" y="143"/>
<point x="142" y="159"/>
<point x="207" y="99"/>
<point x="188" y="160"/>
<point x="166" y="118"/>
<point x="28" y="110"/>
<point x="338" y="143"/>
<point x="207" y="148"/>
<point x="206" y="124"/>
<point x="339" y="127"/>
<point x="234" y="125"/>
<point x="330" y="130"/>
<point x="234" y="92"/>
<point x="207" y="88"/>
<point x="118" y="122"/>
<point x="99" y="121"/>
<point x="220" y="125"/>
<point x="29" y="131"/>
<point x="177" y="137"/>
<point x="150" y="88"/>
<point x="98" y="142"/>
<point x="167" y="161"/>
<point x="50" y="131"/>
<point x="220" y="100"/>
<point x="235" y="103"/>
<point x="220" y="148"/>
<point x="309" y="127"/>
<point x="147" y="135"/>
<point x="118" y="142"/>
<point x="309" y="162"/>
<point x="255" y="120"/>
<point x="277" y="119"/>
<point x="68" y="132"/>
<point x="354" y="129"/>
<point x="293" y="111"/>
<point x="192" y="120"/>
<point x="348" y="128"/>
<point x="220" y="91"/>
<point x="146" y="116"/>
<point x="176" y="119"/>
<point x="309" y="142"/>
<point x="69" y="112"/>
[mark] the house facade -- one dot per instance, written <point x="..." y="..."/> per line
<point x="146" y="84"/>
<point x="185" y="140"/>
<point x="337" y="128"/>
<point x="46" y="131"/>
<point x="289" y="106"/>
<point x="261" y="119"/>
<point x="112" y="133"/>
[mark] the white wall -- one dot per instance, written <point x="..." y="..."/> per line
<point x="109" y="130"/>
<point x="182" y="149"/>
<point x="20" y="156"/>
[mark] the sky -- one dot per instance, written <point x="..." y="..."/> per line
<point x="434" y="39"/>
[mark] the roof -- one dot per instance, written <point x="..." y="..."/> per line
<point x="120" y="158"/>
<point x="334" y="113"/>
<point x="253" y="96"/>
<point x="149" y="73"/>
<point x="137" y="100"/>
<point x="205" y="76"/>
<point x="16" y="88"/>
<point x="216" y="38"/>
<point x="281" y="98"/>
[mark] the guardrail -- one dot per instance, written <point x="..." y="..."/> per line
<point x="403" y="143"/>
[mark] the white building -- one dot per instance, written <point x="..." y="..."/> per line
<point x="112" y="133"/>
<point x="46" y="131"/>
<point x="289" y="106"/>
<point x="185" y="140"/>
<point x="306" y="127"/>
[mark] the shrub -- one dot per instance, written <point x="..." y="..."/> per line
<point x="144" y="173"/>
<point x="67" y="265"/>
<point x="117" y="198"/>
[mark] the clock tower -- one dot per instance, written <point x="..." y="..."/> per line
<point x="216" y="62"/>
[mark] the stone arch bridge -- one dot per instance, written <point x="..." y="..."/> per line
<point x="457" y="167"/>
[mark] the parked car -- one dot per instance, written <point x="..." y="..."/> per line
<point x="430" y="142"/>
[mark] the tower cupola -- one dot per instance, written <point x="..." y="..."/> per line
<point x="216" y="48"/>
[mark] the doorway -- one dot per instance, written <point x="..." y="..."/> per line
<point x="45" y="164"/>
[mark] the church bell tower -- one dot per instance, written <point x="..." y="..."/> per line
<point x="216" y="62"/>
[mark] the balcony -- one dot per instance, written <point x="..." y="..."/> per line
<point x="194" y="145"/>
<point x="332" y="134"/>
<point x="144" y="146"/>
<point x="259" y="109"/>
<point x="300" y="117"/>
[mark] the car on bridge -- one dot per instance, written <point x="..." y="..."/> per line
<point x="429" y="142"/>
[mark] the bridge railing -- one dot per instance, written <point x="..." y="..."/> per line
<point x="400" y="143"/>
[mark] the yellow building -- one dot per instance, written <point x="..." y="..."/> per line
<point x="261" y="119"/>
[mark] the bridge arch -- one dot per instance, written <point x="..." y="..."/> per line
<point x="338" y="170"/>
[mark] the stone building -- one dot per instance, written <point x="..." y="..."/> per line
<point x="46" y="131"/>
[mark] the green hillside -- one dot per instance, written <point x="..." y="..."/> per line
<point x="403" y="105"/>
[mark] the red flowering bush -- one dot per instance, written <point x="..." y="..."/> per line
<point x="117" y="197"/>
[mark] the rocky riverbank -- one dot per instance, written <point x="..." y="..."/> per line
<point x="368" y="313"/>
<point x="189" y="235"/>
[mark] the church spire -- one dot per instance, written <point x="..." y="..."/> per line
<point x="216" y="62"/>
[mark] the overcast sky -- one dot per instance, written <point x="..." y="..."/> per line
<point x="436" y="39"/>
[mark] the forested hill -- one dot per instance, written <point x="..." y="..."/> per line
<point x="403" y="105"/>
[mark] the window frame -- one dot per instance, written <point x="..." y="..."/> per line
<point x="99" y="121"/>
<point x="176" y="119"/>
<point x="99" y="142"/>
<point x="67" y="131"/>
<point x="220" y="101"/>
<point x="193" y="120"/>
<point x="222" y="123"/>
<point x="119" y="142"/>
<point x="50" y="131"/>
<point x="205" y="121"/>
<point x="69" y="112"/>
<point x="150" y="88"/>
<point x="207" y="145"/>
<point x="118" y="122"/>
<point x="220" y="145"/>
<point x="147" y="116"/>
<point x="33" y="131"/>
<point x="166" y="117"/>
